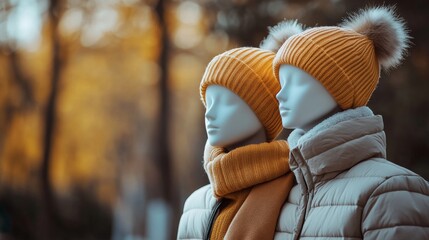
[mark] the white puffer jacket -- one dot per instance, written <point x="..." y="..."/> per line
<point x="346" y="189"/>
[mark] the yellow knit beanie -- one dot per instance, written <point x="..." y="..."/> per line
<point x="248" y="73"/>
<point x="347" y="59"/>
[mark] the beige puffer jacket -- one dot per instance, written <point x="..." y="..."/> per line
<point x="346" y="188"/>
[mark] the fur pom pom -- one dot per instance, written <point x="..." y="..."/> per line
<point x="280" y="33"/>
<point x="386" y="30"/>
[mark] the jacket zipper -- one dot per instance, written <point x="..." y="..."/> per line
<point x="305" y="199"/>
<point x="212" y="218"/>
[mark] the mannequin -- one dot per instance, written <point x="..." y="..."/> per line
<point x="346" y="188"/>
<point x="247" y="168"/>
<point x="241" y="158"/>
<point x="230" y="122"/>
<point x="299" y="93"/>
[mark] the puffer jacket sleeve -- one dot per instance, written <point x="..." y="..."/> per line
<point x="398" y="209"/>
<point x="195" y="218"/>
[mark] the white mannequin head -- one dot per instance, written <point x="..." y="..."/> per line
<point x="229" y="120"/>
<point x="303" y="101"/>
<point x="337" y="65"/>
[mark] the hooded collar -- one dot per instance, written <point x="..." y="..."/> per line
<point x="336" y="144"/>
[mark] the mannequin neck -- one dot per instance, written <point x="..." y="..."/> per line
<point x="309" y="126"/>
<point x="258" y="137"/>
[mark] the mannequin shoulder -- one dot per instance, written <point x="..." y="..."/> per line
<point x="398" y="205"/>
<point x="380" y="167"/>
<point x="377" y="176"/>
<point x="201" y="199"/>
<point x="395" y="177"/>
<point x="196" y="214"/>
<point x="380" y="176"/>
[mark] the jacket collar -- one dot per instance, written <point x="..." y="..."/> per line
<point x="336" y="144"/>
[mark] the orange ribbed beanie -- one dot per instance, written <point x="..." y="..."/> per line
<point x="248" y="73"/>
<point x="347" y="59"/>
<point x="342" y="60"/>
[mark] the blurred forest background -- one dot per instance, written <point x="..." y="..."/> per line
<point x="101" y="125"/>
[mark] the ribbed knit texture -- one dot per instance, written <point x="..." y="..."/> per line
<point x="248" y="73"/>
<point x="344" y="62"/>
<point x="243" y="177"/>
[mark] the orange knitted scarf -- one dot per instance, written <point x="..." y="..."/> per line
<point x="255" y="181"/>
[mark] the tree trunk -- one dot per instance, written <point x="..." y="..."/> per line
<point x="49" y="206"/>
<point x="163" y="158"/>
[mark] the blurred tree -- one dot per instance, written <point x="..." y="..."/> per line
<point x="167" y="188"/>
<point x="162" y="147"/>
<point x="50" y="214"/>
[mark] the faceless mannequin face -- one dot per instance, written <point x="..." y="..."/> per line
<point x="229" y="120"/>
<point x="303" y="101"/>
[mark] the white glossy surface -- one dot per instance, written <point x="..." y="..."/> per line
<point x="303" y="101"/>
<point x="229" y="120"/>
